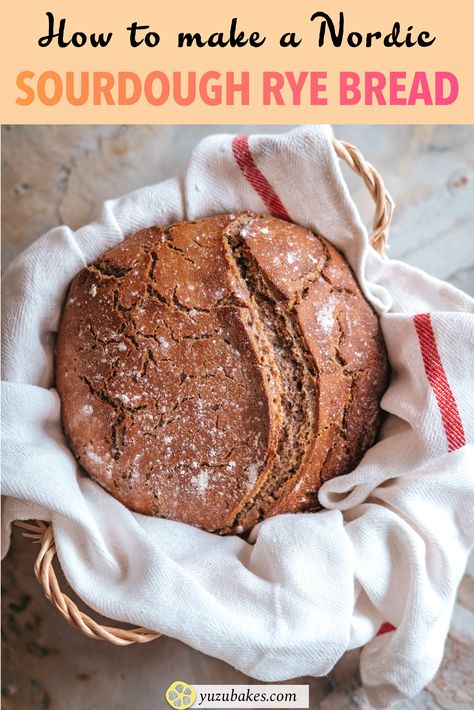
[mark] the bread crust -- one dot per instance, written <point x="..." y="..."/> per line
<point x="219" y="371"/>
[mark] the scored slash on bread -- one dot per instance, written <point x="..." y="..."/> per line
<point x="219" y="371"/>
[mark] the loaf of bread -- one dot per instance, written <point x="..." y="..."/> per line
<point x="219" y="371"/>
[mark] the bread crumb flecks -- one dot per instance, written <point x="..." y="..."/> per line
<point x="93" y="290"/>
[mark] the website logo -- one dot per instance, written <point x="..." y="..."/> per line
<point x="180" y="695"/>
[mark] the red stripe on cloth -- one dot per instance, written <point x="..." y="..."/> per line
<point x="245" y="161"/>
<point x="439" y="383"/>
<point x="386" y="628"/>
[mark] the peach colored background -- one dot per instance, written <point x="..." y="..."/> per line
<point x="24" y="21"/>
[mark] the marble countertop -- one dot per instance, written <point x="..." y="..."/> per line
<point x="62" y="174"/>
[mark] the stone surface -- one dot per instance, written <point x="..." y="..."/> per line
<point x="62" y="174"/>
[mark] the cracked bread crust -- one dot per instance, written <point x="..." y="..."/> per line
<point x="219" y="371"/>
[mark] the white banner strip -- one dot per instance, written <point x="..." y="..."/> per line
<point x="251" y="696"/>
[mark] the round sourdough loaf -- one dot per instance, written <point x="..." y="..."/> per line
<point x="219" y="371"/>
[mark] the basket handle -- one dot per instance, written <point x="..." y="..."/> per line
<point x="384" y="203"/>
<point x="42" y="533"/>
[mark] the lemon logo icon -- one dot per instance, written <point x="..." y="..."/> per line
<point x="180" y="695"/>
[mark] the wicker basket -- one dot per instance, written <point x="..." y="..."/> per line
<point x="42" y="533"/>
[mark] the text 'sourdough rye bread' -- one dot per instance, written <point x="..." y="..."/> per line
<point x="219" y="371"/>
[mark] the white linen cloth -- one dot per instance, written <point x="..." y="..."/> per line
<point x="393" y="542"/>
